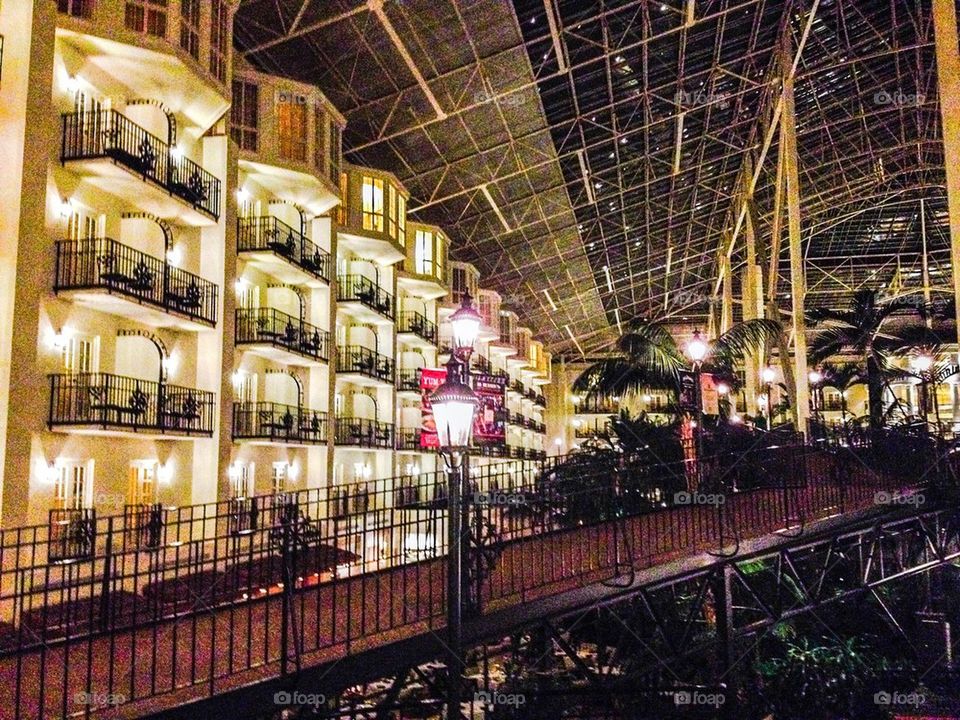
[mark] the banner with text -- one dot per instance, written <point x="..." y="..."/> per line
<point x="489" y="426"/>
<point x="430" y="380"/>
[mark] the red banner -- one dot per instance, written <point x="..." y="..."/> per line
<point x="489" y="427"/>
<point x="430" y="380"/>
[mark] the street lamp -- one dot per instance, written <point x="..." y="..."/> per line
<point x="922" y="364"/>
<point x="697" y="352"/>
<point x="815" y="378"/>
<point x="454" y="405"/>
<point x="465" y="325"/>
<point x="768" y="375"/>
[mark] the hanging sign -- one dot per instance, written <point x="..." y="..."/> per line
<point x="430" y="380"/>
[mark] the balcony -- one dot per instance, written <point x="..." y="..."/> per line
<point x="118" y="156"/>
<point x="361" y="432"/>
<point x="104" y="403"/>
<point x="408" y="440"/>
<point x="415" y="330"/>
<point x="481" y="364"/>
<point x="599" y="406"/>
<point x="275" y="335"/>
<point x="363" y="366"/>
<point x="283" y="252"/>
<point x="115" y="278"/>
<point x="363" y="299"/>
<point x="271" y="422"/>
<point x="516" y="387"/>
<point x="408" y="381"/>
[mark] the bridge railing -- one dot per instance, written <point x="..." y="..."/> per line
<point x="190" y="596"/>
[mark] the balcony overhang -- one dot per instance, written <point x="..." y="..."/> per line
<point x="361" y="313"/>
<point x="277" y="267"/>
<point x="357" y="378"/>
<point x="114" y="179"/>
<point x="414" y="341"/>
<point x="280" y="354"/>
<point x="119" y="432"/>
<point x="148" y="67"/>
<point x="421" y="286"/>
<point x="374" y="246"/>
<point x="502" y="349"/>
<point x="105" y="301"/>
<point x="315" y="193"/>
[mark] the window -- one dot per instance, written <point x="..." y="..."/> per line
<point x="245" y="114"/>
<point x="438" y="262"/>
<point x="423" y="252"/>
<point x="279" y="477"/>
<point x="372" y="198"/>
<point x="402" y="218"/>
<point x="242" y="480"/>
<point x="392" y="205"/>
<point x="245" y="387"/>
<point x="80" y="354"/>
<point x="73" y="485"/>
<point x="142" y="486"/>
<point x="219" y="39"/>
<point x="190" y="27"/>
<point x="76" y="8"/>
<point x="342" y="207"/>
<point x="336" y="139"/>
<point x="147" y="16"/>
<point x="248" y="295"/>
<point x="81" y="226"/>
<point x="292" y="128"/>
<point x="319" y="138"/>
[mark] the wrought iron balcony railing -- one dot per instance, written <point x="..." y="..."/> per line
<point x="72" y="535"/>
<point x="366" y="362"/>
<point x="278" y="422"/>
<point x="358" y="288"/>
<point x="598" y="406"/>
<point x="115" y="401"/>
<point x="277" y="328"/>
<point x="409" y="439"/>
<point x="362" y="432"/>
<point x="516" y="386"/>
<point x="106" y="264"/>
<point x="110" y="134"/>
<point x="413" y="322"/>
<point x="257" y="234"/>
<point x="408" y="379"/>
<point x="540" y="400"/>
<point x="481" y="364"/>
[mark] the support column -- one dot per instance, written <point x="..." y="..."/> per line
<point x="726" y="302"/>
<point x="948" y="84"/>
<point x="752" y="310"/>
<point x="798" y="282"/>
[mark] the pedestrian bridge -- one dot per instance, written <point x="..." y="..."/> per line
<point x="140" y="613"/>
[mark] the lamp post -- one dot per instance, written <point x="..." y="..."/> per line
<point x="454" y="405"/>
<point x="768" y="376"/>
<point x="697" y="352"/>
<point x="815" y="378"/>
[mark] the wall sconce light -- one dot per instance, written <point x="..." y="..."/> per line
<point x="174" y="255"/>
<point x="164" y="473"/>
<point x="176" y="153"/>
<point x="66" y="208"/>
<point x="242" y="195"/>
<point x="170" y="364"/>
<point x="72" y="84"/>
<point x="51" y="473"/>
<point x="58" y="339"/>
<point x="293" y="470"/>
<point x="233" y="472"/>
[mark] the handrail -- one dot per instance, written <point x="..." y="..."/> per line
<point x="272" y="234"/>
<point x="278" y="422"/>
<point x="280" y="329"/>
<point x="363" y="432"/>
<point x="360" y="288"/>
<point x="411" y="321"/>
<point x="358" y="359"/>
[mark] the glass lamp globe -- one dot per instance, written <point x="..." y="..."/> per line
<point x="454" y="405"/>
<point x="768" y="375"/>
<point x="465" y="325"/>
<point x="696" y="348"/>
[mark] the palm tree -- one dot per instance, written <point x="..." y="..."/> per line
<point x="858" y="329"/>
<point x="648" y="357"/>
<point x="842" y="377"/>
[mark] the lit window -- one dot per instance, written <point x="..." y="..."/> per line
<point x="402" y="218"/>
<point x="279" y="477"/>
<point x="76" y="8"/>
<point x="72" y="485"/>
<point x="219" y="39"/>
<point x="392" y="204"/>
<point x="292" y="129"/>
<point x="423" y="252"/>
<point x="336" y="138"/>
<point x="141" y="489"/>
<point x="439" y="261"/>
<point x="372" y="199"/>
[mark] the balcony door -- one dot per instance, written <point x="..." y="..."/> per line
<point x="248" y="296"/>
<point x="278" y="477"/>
<point x="74" y="483"/>
<point x="142" y="483"/>
<point x="81" y="354"/>
<point x="243" y="481"/>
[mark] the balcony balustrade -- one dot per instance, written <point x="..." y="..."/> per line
<point x="481" y="364"/>
<point x="408" y="379"/>
<point x="72" y="535"/>
<point x="363" y="361"/>
<point x="125" y="403"/>
<point x="279" y="423"/>
<point x="268" y="234"/>
<point x="361" y="289"/>
<point x="275" y="328"/>
<point x="111" y="135"/>
<point x="415" y="323"/>
<point x="105" y="264"/>
<point x="598" y="406"/>
<point x="409" y="439"/>
<point x="361" y="432"/>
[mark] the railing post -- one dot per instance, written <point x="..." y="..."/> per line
<point x="105" y="591"/>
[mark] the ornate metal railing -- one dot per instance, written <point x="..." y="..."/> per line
<point x="358" y="288"/>
<point x="110" y="134"/>
<point x="106" y="264"/>
<point x="410" y="321"/>
<point x="257" y="234"/>
<point x="275" y="327"/>
<point x="408" y="379"/>
<point x="278" y="422"/>
<point x="115" y="401"/>
<point x="366" y="362"/>
<point x="363" y="433"/>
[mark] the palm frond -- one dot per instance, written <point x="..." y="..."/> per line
<point x="743" y="338"/>
<point x="617" y="376"/>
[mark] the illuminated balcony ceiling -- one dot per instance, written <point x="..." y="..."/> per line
<point x="548" y="150"/>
